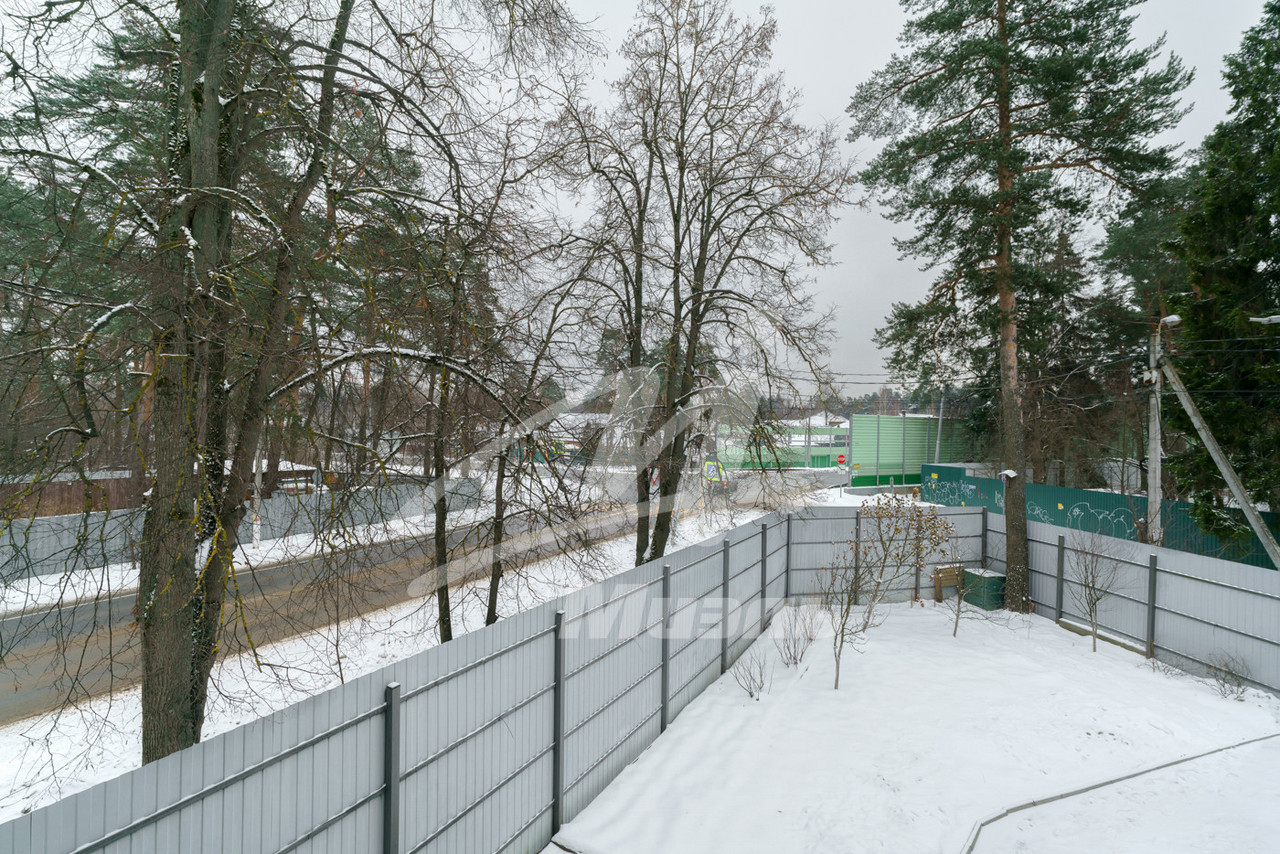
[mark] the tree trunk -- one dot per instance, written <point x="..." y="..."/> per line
<point x="167" y="571"/>
<point x="441" y="533"/>
<point x="499" y="519"/>
<point x="170" y="567"/>
<point x="182" y="587"/>
<point x="1017" y="594"/>
<point x="672" y="467"/>
<point x="642" y="510"/>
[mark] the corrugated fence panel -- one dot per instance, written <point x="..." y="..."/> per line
<point x="814" y="530"/>
<point x="1043" y="576"/>
<point x="232" y="818"/>
<point x="995" y="541"/>
<point x="744" y="590"/>
<point x="612" y="680"/>
<point x="477" y="736"/>
<point x="696" y="624"/>
<point x="1207" y="608"/>
<point x="53" y="545"/>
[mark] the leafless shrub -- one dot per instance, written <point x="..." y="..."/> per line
<point x="799" y="631"/>
<point x="1163" y="668"/>
<point x="965" y="582"/>
<point x="753" y="673"/>
<point x="1229" y="675"/>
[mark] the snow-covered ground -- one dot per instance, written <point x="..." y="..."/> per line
<point x="930" y="735"/>
<point x="53" y="755"/>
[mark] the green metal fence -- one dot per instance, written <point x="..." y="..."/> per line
<point x="1107" y="513"/>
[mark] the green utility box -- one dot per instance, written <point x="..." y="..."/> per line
<point x="985" y="591"/>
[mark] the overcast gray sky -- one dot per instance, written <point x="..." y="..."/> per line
<point x="825" y="47"/>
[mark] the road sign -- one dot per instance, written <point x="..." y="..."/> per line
<point x="840" y="459"/>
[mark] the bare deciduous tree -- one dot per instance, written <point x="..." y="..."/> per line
<point x="235" y="156"/>
<point x="1094" y="562"/>
<point x="711" y="198"/>
<point x="896" y="535"/>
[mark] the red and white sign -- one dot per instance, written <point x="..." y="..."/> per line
<point x="840" y="459"/>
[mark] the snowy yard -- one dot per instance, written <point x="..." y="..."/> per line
<point x="930" y="735"/>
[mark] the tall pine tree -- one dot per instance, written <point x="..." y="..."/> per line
<point x="1003" y="119"/>
<point x="1231" y="245"/>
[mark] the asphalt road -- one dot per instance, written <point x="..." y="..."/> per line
<point x="88" y="648"/>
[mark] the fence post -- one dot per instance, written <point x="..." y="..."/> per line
<point x="391" y="771"/>
<point x="1061" y="575"/>
<point x="724" y="612"/>
<point x="786" y="556"/>
<point x="1151" y="608"/>
<point x="857" y="539"/>
<point x="984" y="538"/>
<point x="666" y="647"/>
<point x="557" y="728"/>
<point x="918" y="559"/>
<point x="764" y="573"/>
<point x="857" y="551"/>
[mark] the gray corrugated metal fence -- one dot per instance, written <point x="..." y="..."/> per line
<point x="485" y="725"/>
<point x="53" y="545"/>
<point x="487" y="743"/>
<point x="1203" y="608"/>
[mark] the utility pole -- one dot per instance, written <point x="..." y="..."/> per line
<point x="1219" y="458"/>
<point x="1155" y="497"/>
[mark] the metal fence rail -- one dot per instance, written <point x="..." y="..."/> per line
<point x="490" y="742"/>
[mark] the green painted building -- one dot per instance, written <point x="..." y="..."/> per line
<point x="878" y="449"/>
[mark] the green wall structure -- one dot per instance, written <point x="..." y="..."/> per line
<point x="1108" y="513"/>
<point x="881" y="449"/>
